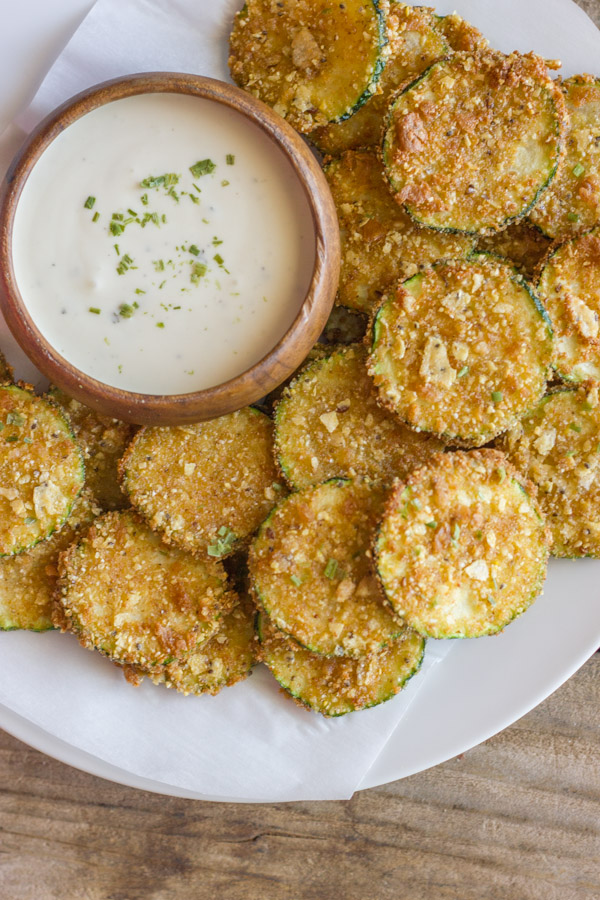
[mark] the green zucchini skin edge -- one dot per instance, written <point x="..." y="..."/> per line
<point x="486" y="231"/>
<point x="338" y="715"/>
<point x="377" y="70"/>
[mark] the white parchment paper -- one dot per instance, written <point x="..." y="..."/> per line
<point x="249" y="742"/>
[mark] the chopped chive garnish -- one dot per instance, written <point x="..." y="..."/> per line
<point x="89" y="203"/>
<point x="161" y="285"/>
<point x="27" y="440"/>
<point x="95" y="310"/>
<point x="136" y="305"/>
<point x="125" y="310"/>
<point x="497" y="396"/>
<point x="117" y="251"/>
<point x="331" y="568"/>
<point x="96" y="216"/>
<point x="501" y="474"/>
<point x="163" y="219"/>
<point x="456" y="533"/>
<point x="202" y="167"/>
<point x="198" y="272"/>
<point x="216" y="242"/>
<point x="12" y="438"/>
<point x="572" y="217"/>
<point x="116" y="228"/>
<point x="132" y="212"/>
<point x="139" y="291"/>
<point x="464" y="371"/>
<point x="193" y="198"/>
<point x="144" y="199"/>
<point x="160" y="324"/>
<point x="579" y="170"/>
<point x="225" y="183"/>
<point x="196" y="188"/>
<point x="15" y="419"/>
<point x="431" y="524"/>
<point x="30" y="520"/>
<point x="159" y="265"/>
<point x="194" y="250"/>
<point x="156" y="181"/>
<point x="118" y="217"/>
<point x="295" y="580"/>
<point x="218" y="259"/>
<point x="230" y="159"/>
<point x="575" y="427"/>
<point x="223" y="543"/>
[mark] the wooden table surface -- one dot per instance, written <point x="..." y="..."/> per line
<point x="518" y="818"/>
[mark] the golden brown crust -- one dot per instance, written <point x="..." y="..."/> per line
<point x="413" y="44"/>
<point x="336" y="686"/>
<point x="123" y="592"/>
<point x="569" y="286"/>
<point x="462" y="549"/>
<point x="461" y="35"/>
<point x="380" y="243"/>
<point x="557" y="446"/>
<point x="103" y="441"/>
<point x="572" y="204"/>
<point x="472" y="145"/>
<point x="41" y="469"/>
<point x="312" y="63"/>
<point x="204" y="487"/>
<point x="329" y="424"/>
<point x="311" y="570"/>
<point x="462" y="351"/>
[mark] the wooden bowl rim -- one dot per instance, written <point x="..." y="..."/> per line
<point x="270" y="371"/>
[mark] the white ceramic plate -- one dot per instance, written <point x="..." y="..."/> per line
<point x="482" y="686"/>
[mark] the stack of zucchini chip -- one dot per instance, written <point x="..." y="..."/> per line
<point x="442" y="439"/>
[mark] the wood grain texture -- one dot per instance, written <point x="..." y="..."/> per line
<point x="518" y="818"/>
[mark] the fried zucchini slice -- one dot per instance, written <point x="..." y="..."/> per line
<point x="380" y="243"/>
<point x="222" y="661"/>
<point x="311" y="570"/>
<point x="314" y="63"/>
<point x="28" y="580"/>
<point x="7" y="376"/>
<point x="524" y="245"/>
<point x="335" y="687"/>
<point x="570" y="289"/>
<point x="572" y="204"/>
<point x="461" y="35"/>
<point x="345" y="326"/>
<point x="472" y="145"/>
<point x="103" y="441"/>
<point x="41" y="469"/>
<point x="462" y="350"/>
<point x="125" y="593"/>
<point x="462" y="549"/>
<point x="413" y="44"/>
<point x="204" y="487"/>
<point x="328" y="424"/>
<point x="557" y="446"/>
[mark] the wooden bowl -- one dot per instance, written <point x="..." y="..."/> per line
<point x="286" y="355"/>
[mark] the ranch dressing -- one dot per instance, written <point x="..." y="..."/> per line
<point x="163" y="244"/>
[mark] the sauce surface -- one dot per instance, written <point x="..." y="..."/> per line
<point x="163" y="244"/>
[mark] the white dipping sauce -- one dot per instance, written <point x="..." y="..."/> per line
<point x="197" y="278"/>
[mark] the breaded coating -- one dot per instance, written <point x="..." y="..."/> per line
<point x="460" y="34"/>
<point x="462" y="350"/>
<point x="344" y="326"/>
<point x="314" y="63"/>
<point x="311" y="570"/>
<point x="524" y="245"/>
<point x="7" y="376"/>
<point x="462" y="549"/>
<point x="471" y="146"/>
<point x="28" y="580"/>
<point x="335" y="687"/>
<point x="222" y="661"/>
<point x="558" y="447"/>
<point x="413" y="44"/>
<point x="103" y="441"/>
<point x="41" y="469"/>
<point x="125" y="593"/>
<point x="380" y="243"/>
<point x="572" y="204"/>
<point x="570" y="289"/>
<point x="204" y="487"/>
<point x="329" y="424"/>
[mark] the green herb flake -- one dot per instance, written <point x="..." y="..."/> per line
<point x="193" y="250"/>
<point x="144" y="199"/>
<point x="95" y="310"/>
<point x="218" y="259"/>
<point x="156" y="181"/>
<point x="501" y="474"/>
<point x="572" y="217"/>
<point x="15" y="418"/>
<point x="160" y="324"/>
<point x="295" y="580"/>
<point x="126" y="311"/>
<point x="464" y="371"/>
<point x="331" y="568"/>
<point x="574" y="427"/>
<point x="159" y="265"/>
<point x="11" y="438"/>
<point x="216" y="242"/>
<point x="225" y="183"/>
<point x="431" y="524"/>
<point x="202" y="167"/>
<point x="198" y="271"/>
<point x="116" y="228"/>
<point x="497" y="396"/>
<point x="193" y="198"/>
<point x="95" y="217"/>
<point x="579" y="170"/>
<point x="230" y="159"/>
<point x="89" y="203"/>
<point x="456" y="533"/>
<point x="223" y="543"/>
<point x="30" y="520"/>
<point x="139" y="291"/>
<point x="27" y="440"/>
